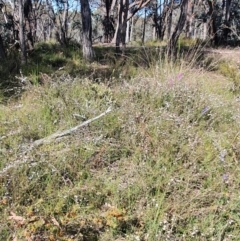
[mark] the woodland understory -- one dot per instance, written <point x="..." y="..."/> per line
<point x="119" y="120"/>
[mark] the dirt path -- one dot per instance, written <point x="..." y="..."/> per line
<point x="232" y="55"/>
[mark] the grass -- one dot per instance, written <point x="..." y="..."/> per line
<point x="231" y="71"/>
<point x="49" y="61"/>
<point x="163" y="165"/>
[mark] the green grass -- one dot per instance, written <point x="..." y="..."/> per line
<point x="162" y="165"/>
<point x="50" y="61"/>
<point x="231" y="71"/>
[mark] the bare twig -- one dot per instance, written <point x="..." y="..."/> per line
<point x="23" y="156"/>
<point x="56" y="135"/>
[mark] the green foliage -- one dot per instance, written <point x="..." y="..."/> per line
<point x="154" y="43"/>
<point x="187" y="42"/>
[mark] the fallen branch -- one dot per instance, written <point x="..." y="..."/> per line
<point x="23" y="156"/>
<point x="56" y="135"/>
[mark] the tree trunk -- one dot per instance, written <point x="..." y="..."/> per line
<point x="108" y="21"/>
<point x="49" y="29"/>
<point x="21" y="34"/>
<point x="212" y="23"/>
<point x="227" y="30"/>
<point x="3" y="10"/>
<point x="122" y="25"/>
<point x="178" y="29"/>
<point x="165" y="19"/>
<point x="169" y="24"/>
<point x="127" y="31"/>
<point x="2" y="51"/>
<point x="156" y="32"/>
<point x="28" y="16"/>
<point x="204" y="31"/>
<point x="64" y="24"/>
<point x="114" y="40"/>
<point x="87" y="49"/>
<point x="108" y="26"/>
<point x="144" y="27"/>
<point x="119" y="26"/>
<point x="189" y="19"/>
<point x="131" y="30"/>
<point x="125" y="12"/>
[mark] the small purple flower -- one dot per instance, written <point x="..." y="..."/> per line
<point x="171" y="82"/>
<point x="225" y="177"/>
<point x="222" y="155"/>
<point x="179" y="76"/>
<point x="205" y="110"/>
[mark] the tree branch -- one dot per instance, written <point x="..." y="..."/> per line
<point x="140" y="4"/>
<point x="24" y="158"/>
<point x="56" y="135"/>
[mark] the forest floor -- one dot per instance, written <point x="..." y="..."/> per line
<point x="231" y="54"/>
<point x="137" y="148"/>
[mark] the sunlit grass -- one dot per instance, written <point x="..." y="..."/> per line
<point x="162" y="165"/>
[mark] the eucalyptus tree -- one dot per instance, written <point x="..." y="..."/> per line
<point x="231" y="19"/>
<point x="162" y="16"/>
<point x="234" y="19"/>
<point x="87" y="48"/>
<point x="126" y="10"/>
<point x="179" y="27"/>
<point x="108" y="20"/>
<point x="2" y="50"/>
<point x="21" y="33"/>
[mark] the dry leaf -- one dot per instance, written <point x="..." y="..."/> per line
<point x="55" y="222"/>
<point x="4" y="201"/>
<point x="33" y="219"/>
<point x="51" y="238"/>
<point x="18" y="219"/>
